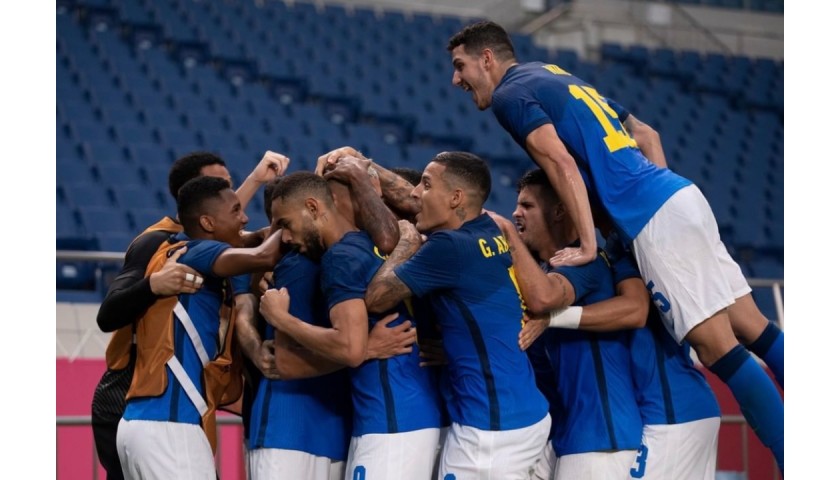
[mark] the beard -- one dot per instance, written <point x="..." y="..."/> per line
<point x="312" y="243"/>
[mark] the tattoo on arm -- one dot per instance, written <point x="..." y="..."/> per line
<point x="386" y="289"/>
<point x="397" y="191"/>
<point x="376" y="218"/>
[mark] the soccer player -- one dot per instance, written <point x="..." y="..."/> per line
<point x="600" y="427"/>
<point x="678" y="408"/>
<point x="568" y="128"/>
<point x="184" y="367"/>
<point x="301" y="425"/>
<point x="500" y="419"/>
<point x="132" y="292"/>
<point x="397" y="414"/>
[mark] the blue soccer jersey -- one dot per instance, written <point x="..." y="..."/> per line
<point x="310" y="415"/>
<point x="389" y="396"/>
<point x="669" y="389"/>
<point x="467" y="276"/>
<point x="203" y="308"/>
<point x="630" y="188"/>
<point x="594" y="382"/>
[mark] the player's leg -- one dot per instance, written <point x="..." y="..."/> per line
<point x="751" y="327"/>
<point x="692" y="281"/>
<point x="760" y="402"/>
<point x="105" y="441"/>
<point x="759" y="335"/>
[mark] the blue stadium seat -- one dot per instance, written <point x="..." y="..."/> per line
<point x="114" y="241"/>
<point x="116" y="175"/>
<point x="104" y="219"/>
<point x="103" y="152"/>
<point x="134" y="196"/>
<point x="66" y="222"/>
<point x="87" y="195"/>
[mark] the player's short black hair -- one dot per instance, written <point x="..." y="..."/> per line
<point x="188" y="167"/>
<point x="193" y="196"/>
<point x="538" y="178"/>
<point x="466" y="170"/>
<point x="481" y="35"/>
<point x="301" y="183"/>
<point x="412" y="175"/>
<point x="268" y="194"/>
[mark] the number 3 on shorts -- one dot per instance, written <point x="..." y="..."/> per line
<point x="638" y="470"/>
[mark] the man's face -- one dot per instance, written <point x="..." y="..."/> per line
<point x="217" y="170"/>
<point x="471" y="74"/>
<point x="299" y="230"/>
<point x="530" y="217"/>
<point x="229" y="218"/>
<point x="435" y="197"/>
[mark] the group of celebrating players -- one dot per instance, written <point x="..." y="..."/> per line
<point x="386" y="326"/>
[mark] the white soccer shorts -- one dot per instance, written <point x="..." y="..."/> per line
<point x="151" y="450"/>
<point x="471" y="453"/>
<point x="280" y="464"/>
<point x="687" y="451"/>
<point x="687" y="269"/>
<point x="407" y="455"/>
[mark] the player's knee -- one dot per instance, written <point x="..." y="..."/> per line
<point x="712" y="339"/>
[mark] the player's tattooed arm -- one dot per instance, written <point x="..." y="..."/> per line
<point x="371" y="213"/>
<point x="385" y="290"/>
<point x="396" y="191"/>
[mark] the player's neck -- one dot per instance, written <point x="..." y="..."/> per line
<point x="498" y="73"/>
<point x="339" y="227"/>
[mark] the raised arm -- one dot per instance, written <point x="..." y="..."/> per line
<point x="546" y="148"/>
<point x="386" y="290"/>
<point x="647" y="139"/>
<point x="272" y="165"/>
<point x="372" y="215"/>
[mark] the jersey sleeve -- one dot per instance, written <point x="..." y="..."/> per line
<point x="342" y="276"/>
<point x="584" y="278"/>
<point x="518" y="111"/>
<point x="301" y="277"/>
<point x="433" y="267"/>
<point x="202" y="254"/>
<point x="241" y="284"/>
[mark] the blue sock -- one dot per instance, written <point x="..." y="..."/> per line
<point x="770" y="347"/>
<point x="757" y="396"/>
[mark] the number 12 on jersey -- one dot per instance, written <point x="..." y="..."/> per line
<point x="615" y="139"/>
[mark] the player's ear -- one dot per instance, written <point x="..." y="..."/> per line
<point x="312" y="206"/>
<point x="208" y="223"/>
<point x="457" y="198"/>
<point x="486" y="57"/>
